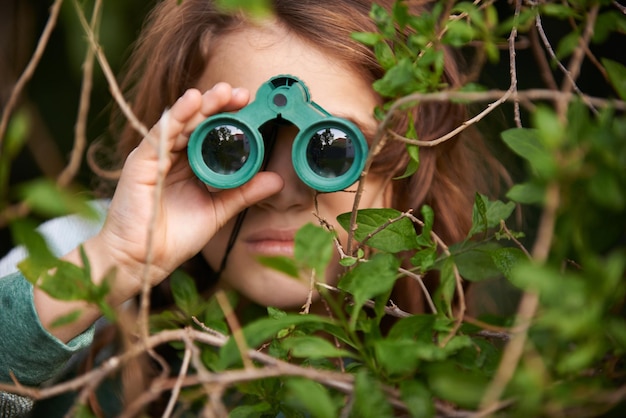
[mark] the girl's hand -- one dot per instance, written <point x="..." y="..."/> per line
<point x="176" y="223"/>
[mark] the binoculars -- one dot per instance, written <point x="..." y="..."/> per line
<point x="328" y="153"/>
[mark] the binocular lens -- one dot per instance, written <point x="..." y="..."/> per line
<point x="330" y="153"/>
<point x="225" y="149"/>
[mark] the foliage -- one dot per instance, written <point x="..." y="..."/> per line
<point x="569" y="328"/>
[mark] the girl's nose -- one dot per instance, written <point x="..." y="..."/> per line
<point x="295" y="194"/>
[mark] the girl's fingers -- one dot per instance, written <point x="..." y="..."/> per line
<point x="190" y="109"/>
<point x="221" y="98"/>
<point x="172" y="123"/>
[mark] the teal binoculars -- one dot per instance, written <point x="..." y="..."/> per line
<point x="328" y="153"/>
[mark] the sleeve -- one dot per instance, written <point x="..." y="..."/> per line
<point x="27" y="349"/>
<point x="61" y="234"/>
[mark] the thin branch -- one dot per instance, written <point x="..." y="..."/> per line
<point x="501" y="97"/>
<point x="110" y="77"/>
<point x="512" y="66"/>
<point x="457" y="279"/>
<point x="509" y="234"/>
<point x="528" y="305"/>
<point x="235" y="328"/>
<point x="80" y="128"/>
<point x="578" y="56"/>
<point x="179" y="382"/>
<point x="574" y="87"/>
<point x="419" y="280"/>
<point x="162" y="154"/>
<point x="542" y="61"/>
<point x="30" y="68"/>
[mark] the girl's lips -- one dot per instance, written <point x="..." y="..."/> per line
<point x="271" y="243"/>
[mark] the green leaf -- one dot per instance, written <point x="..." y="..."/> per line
<point x="459" y="33"/>
<point x="383" y="21"/>
<point x="557" y="10"/>
<point x="367" y="38"/>
<point x="419" y="327"/>
<point x="395" y="237"/>
<point x="369" y="399"/>
<point x="84" y="411"/>
<point x="313" y="396"/>
<point x="397" y="357"/>
<point x="567" y="45"/>
<point x="251" y="411"/>
<point x="314" y="248"/>
<point x="262" y="329"/>
<point x="475" y="262"/>
<point x="40" y="258"/>
<point x="66" y="319"/>
<point x="282" y="264"/>
<point x="67" y="282"/>
<point x="527" y="193"/>
<point x="425" y="259"/>
<point x="506" y="259"/>
<point x="313" y="348"/>
<point x="428" y="215"/>
<point x="527" y="144"/>
<point x="551" y="130"/>
<point x="417" y="399"/>
<point x="462" y="388"/>
<point x="488" y="214"/>
<point x="16" y="135"/>
<point x="372" y="278"/>
<point x="400" y="13"/>
<point x="184" y="291"/>
<point x="445" y="291"/>
<point x="617" y="75"/>
<point x="256" y="8"/>
<point x="414" y="161"/>
<point x="583" y="357"/>
<point x="384" y="55"/>
<point x="398" y="80"/>
<point x="46" y="198"/>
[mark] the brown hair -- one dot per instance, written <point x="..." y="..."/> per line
<point x="175" y="46"/>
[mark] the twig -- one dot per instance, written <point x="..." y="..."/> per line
<point x="80" y="128"/>
<point x="144" y="311"/>
<point x="457" y="278"/>
<point x="235" y="328"/>
<point x="512" y="66"/>
<point x="578" y="55"/>
<point x="392" y="310"/>
<point x="574" y="87"/>
<point x="509" y="234"/>
<point x="380" y="228"/>
<point x="527" y="307"/>
<point x="110" y="77"/>
<point x="306" y="308"/>
<point x="540" y="58"/>
<point x="419" y="280"/>
<point x="181" y="374"/>
<point x="28" y="72"/>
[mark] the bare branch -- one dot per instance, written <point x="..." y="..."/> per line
<point x="80" y="128"/>
<point x="30" y="68"/>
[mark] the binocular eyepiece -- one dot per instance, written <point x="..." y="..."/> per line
<point x="328" y="153"/>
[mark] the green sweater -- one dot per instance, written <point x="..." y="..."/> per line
<point x="27" y="349"/>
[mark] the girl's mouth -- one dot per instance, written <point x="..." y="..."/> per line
<point x="271" y="243"/>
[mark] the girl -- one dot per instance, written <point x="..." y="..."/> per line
<point x="199" y="61"/>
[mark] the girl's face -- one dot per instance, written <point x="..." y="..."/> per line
<point x="247" y="58"/>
